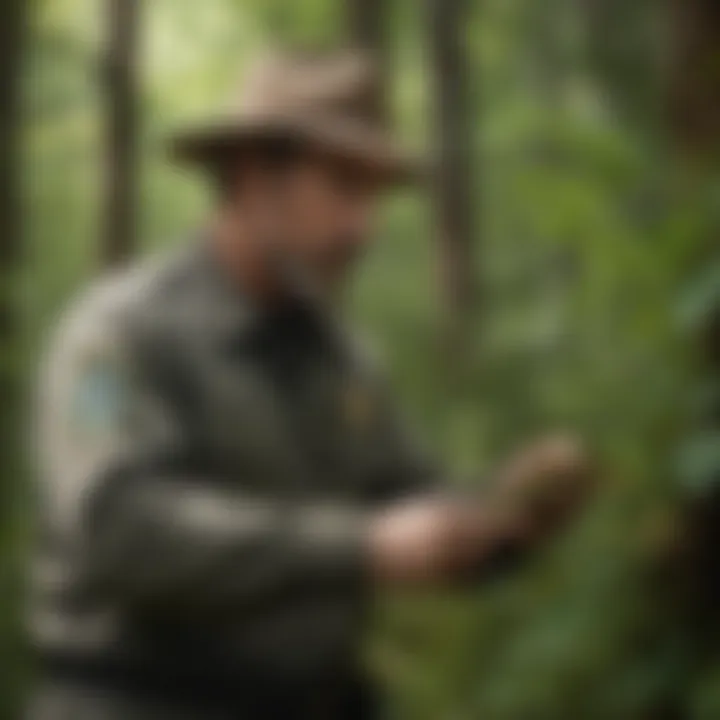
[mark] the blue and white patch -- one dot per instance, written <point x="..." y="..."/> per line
<point x="100" y="400"/>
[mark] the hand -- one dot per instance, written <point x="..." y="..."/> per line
<point x="547" y="482"/>
<point x="437" y="539"/>
<point x="434" y="540"/>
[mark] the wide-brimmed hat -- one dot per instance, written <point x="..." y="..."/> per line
<point x="330" y="101"/>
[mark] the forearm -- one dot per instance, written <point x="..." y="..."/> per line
<point x="440" y="541"/>
<point x="188" y="544"/>
<point x="198" y="543"/>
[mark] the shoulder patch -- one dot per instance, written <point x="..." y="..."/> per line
<point x="99" y="400"/>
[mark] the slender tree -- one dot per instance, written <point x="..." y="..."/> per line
<point x="12" y="35"/>
<point x="695" y="101"/>
<point x="455" y="199"/>
<point x="694" y="110"/>
<point x="11" y="53"/>
<point x="367" y="30"/>
<point x="121" y="125"/>
<point x="279" y="18"/>
<point x="623" y="45"/>
<point x="366" y="23"/>
<point x="12" y="25"/>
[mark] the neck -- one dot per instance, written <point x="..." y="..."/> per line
<point x="240" y="255"/>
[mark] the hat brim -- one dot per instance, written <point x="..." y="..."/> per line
<point x="350" y="141"/>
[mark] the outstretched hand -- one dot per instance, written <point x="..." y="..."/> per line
<point x="440" y="539"/>
<point x="547" y="482"/>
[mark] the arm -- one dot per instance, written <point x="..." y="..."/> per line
<point x="148" y="532"/>
<point x="427" y="536"/>
<point x="143" y="528"/>
<point x="528" y="501"/>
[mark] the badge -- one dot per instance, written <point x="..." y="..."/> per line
<point x="100" y="399"/>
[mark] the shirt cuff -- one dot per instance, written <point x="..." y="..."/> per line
<point x="334" y="542"/>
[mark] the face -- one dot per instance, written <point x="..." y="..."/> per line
<point x="312" y="220"/>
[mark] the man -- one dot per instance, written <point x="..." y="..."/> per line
<point x="225" y="476"/>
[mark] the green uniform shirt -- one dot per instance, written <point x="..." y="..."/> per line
<point x="207" y="472"/>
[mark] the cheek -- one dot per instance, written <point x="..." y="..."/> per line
<point x="312" y="223"/>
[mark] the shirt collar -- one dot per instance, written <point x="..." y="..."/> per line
<point x="233" y="315"/>
<point x="224" y="307"/>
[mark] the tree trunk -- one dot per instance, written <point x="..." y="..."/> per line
<point x="366" y="23"/>
<point x="694" y="106"/>
<point x="366" y="30"/>
<point x="11" y="55"/>
<point x="624" y="49"/>
<point x="121" y="140"/>
<point x="455" y="199"/>
<point x="13" y="15"/>
<point x="12" y="26"/>
<point x="695" y="100"/>
<point x="280" y="18"/>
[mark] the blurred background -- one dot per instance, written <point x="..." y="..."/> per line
<point x="563" y="270"/>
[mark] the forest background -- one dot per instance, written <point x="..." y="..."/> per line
<point x="563" y="271"/>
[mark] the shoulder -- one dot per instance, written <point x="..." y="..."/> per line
<point x="110" y="331"/>
<point x="120" y="307"/>
<point x="97" y="348"/>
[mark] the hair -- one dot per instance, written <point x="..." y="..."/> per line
<point x="273" y="153"/>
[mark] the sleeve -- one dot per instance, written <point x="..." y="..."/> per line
<point x="407" y="468"/>
<point x="143" y="528"/>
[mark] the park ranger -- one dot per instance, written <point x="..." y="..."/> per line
<point x="225" y="480"/>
